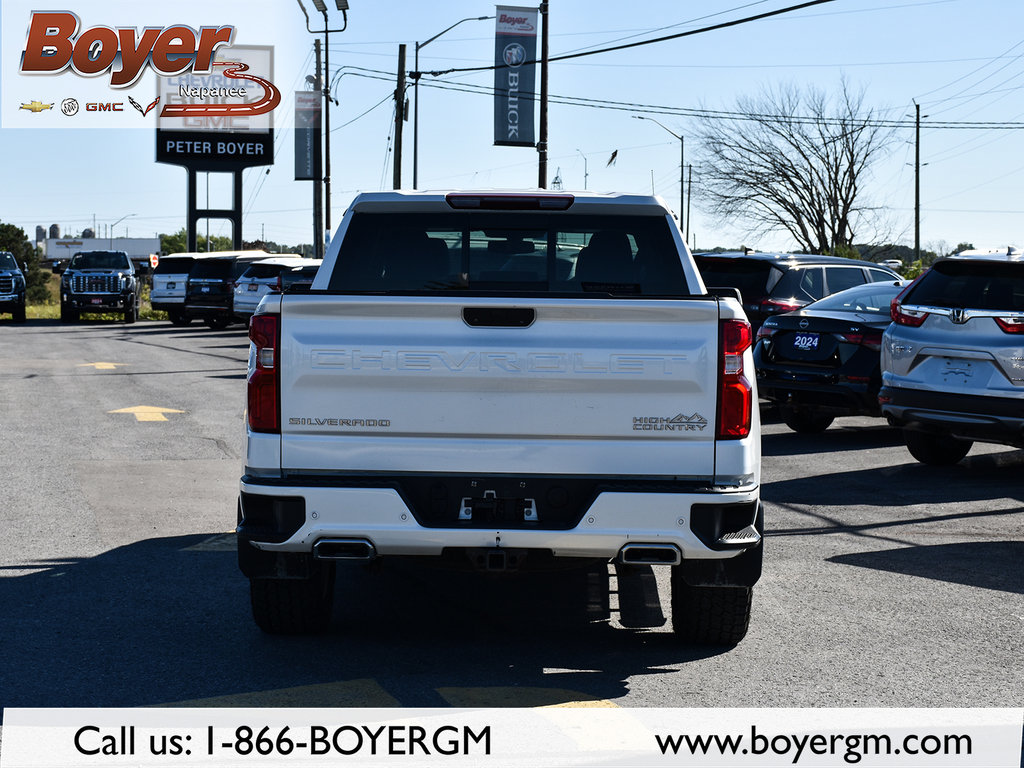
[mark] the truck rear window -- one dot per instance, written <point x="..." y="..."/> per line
<point x="212" y="269"/>
<point x="497" y="252"/>
<point x="754" y="278"/>
<point x="174" y="265"/>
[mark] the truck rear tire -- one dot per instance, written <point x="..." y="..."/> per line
<point x="709" y="615"/>
<point x="935" y="450"/>
<point x="131" y="314"/>
<point x="294" y="606"/>
<point x="178" y="318"/>
<point x="68" y="315"/>
<point x="19" y="314"/>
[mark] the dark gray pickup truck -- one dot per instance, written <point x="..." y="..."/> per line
<point x="99" y="281"/>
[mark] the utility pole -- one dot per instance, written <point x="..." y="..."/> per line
<point x="682" y="179"/>
<point x="399" y="115"/>
<point x="318" y="188"/>
<point x="542" y="145"/>
<point x="325" y="88"/>
<point x="689" y="197"/>
<point x="917" y="182"/>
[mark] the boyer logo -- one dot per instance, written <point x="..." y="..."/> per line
<point x="56" y="42"/>
<point x="511" y="23"/>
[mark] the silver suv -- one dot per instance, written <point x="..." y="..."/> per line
<point x="953" y="359"/>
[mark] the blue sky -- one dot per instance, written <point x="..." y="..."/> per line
<point x="963" y="60"/>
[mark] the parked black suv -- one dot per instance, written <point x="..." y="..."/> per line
<point x="211" y="286"/>
<point x="12" y="287"/>
<point x="99" y="281"/>
<point x="772" y="283"/>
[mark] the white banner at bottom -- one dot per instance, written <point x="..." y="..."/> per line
<point x="511" y="738"/>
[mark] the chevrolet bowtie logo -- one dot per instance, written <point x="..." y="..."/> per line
<point x="36" y="106"/>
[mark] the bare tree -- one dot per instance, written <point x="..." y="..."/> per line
<point x="794" y="162"/>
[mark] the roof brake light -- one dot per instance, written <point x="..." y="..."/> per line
<point x="510" y="202"/>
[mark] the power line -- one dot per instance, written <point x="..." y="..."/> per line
<point x="624" y="46"/>
<point x="663" y="109"/>
<point x="673" y="26"/>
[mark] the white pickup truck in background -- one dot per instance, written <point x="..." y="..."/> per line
<point x="508" y="381"/>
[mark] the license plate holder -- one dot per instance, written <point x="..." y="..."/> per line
<point x="492" y="509"/>
<point x="806" y="342"/>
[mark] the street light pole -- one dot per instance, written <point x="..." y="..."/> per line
<point x="110" y="241"/>
<point x="682" y="168"/>
<point x="585" y="172"/>
<point x="416" y="96"/>
<point x="323" y="86"/>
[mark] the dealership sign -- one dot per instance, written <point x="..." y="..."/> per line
<point x="515" y="58"/>
<point x="219" y="121"/>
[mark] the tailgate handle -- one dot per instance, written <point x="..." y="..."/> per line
<point x="498" y="317"/>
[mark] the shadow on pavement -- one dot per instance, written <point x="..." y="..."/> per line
<point x="986" y="476"/>
<point x="985" y="564"/>
<point x="165" y="621"/>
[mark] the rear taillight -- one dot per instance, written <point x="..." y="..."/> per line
<point x="912" y="317"/>
<point x="871" y="339"/>
<point x="778" y="306"/>
<point x="1010" y="324"/>
<point x="264" y="379"/>
<point x="901" y="316"/>
<point x="766" y="331"/>
<point x="279" y="285"/>
<point x="736" y="394"/>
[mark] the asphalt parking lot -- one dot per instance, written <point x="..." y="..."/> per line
<point x="886" y="582"/>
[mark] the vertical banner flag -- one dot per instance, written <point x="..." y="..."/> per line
<point x="307" y="135"/>
<point x="515" y="43"/>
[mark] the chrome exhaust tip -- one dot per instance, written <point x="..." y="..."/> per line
<point x="344" y="549"/>
<point x="650" y="554"/>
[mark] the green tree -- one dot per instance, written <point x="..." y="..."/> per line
<point x="13" y="239"/>
<point x="178" y="242"/>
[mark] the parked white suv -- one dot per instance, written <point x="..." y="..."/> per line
<point x="953" y="359"/>
<point x="261" y="278"/>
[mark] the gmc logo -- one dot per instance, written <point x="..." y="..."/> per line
<point x="110" y="106"/>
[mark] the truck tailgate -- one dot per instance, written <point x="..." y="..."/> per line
<point x="600" y="387"/>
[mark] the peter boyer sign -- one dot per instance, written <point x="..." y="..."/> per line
<point x="219" y="120"/>
<point x="84" y="71"/>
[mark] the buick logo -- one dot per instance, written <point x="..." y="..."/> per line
<point x="514" y="54"/>
<point x="958" y="316"/>
<point x="69" y="107"/>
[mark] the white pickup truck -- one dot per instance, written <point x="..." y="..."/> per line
<point x="508" y="381"/>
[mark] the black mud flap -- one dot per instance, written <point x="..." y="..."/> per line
<point x="639" y="603"/>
